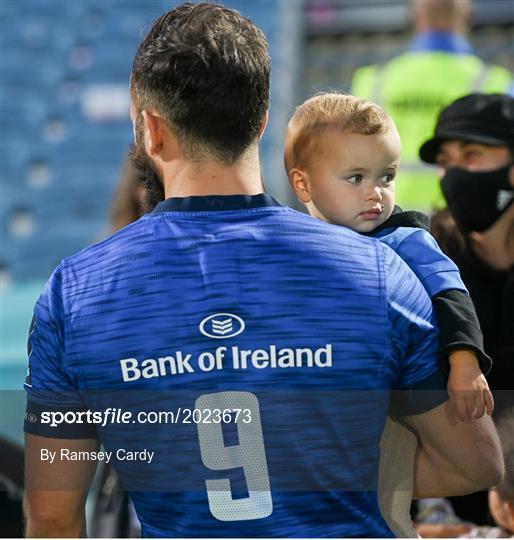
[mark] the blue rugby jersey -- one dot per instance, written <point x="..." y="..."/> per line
<point x="235" y="304"/>
<point x="421" y="252"/>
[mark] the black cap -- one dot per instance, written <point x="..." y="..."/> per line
<point x="481" y="118"/>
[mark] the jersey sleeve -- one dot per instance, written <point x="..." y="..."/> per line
<point x="48" y="384"/>
<point x="414" y="338"/>
<point x="434" y="269"/>
<point x="459" y="327"/>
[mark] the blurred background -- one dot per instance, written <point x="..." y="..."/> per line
<point x="65" y="125"/>
<point x="65" y="129"/>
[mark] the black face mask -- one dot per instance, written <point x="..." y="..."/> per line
<point x="477" y="199"/>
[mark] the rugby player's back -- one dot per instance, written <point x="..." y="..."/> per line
<point x="218" y="304"/>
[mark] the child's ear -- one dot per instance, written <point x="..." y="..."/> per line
<point x="299" y="181"/>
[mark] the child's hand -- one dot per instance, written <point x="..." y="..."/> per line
<point x="467" y="386"/>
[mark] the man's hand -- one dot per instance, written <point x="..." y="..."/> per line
<point x="467" y="386"/>
<point x="56" y="492"/>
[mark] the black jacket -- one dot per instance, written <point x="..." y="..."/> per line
<point x="492" y="292"/>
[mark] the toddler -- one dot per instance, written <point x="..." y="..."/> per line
<point x="342" y="155"/>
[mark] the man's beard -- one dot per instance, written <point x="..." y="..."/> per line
<point x="148" y="174"/>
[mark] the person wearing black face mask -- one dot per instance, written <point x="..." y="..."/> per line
<point x="477" y="199"/>
<point x="473" y="146"/>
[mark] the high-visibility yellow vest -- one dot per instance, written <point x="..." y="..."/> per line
<point x="412" y="88"/>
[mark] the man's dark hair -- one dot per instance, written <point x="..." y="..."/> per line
<point x="205" y="68"/>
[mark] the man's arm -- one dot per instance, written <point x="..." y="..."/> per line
<point x="454" y="457"/>
<point x="56" y="492"/>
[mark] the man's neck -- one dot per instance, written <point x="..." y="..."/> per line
<point x="184" y="178"/>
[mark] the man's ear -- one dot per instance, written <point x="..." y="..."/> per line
<point x="263" y="125"/>
<point x="299" y="181"/>
<point x="153" y="132"/>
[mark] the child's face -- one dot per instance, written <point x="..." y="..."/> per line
<point x="352" y="182"/>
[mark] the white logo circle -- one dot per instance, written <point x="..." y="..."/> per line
<point x="222" y="326"/>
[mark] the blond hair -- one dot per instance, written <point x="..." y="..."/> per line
<point x="309" y="124"/>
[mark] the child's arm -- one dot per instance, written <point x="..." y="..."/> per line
<point x="455" y="313"/>
<point x="459" y="328"/>
<point x="461" y="353"/>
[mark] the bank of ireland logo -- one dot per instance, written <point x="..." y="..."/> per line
<point x="222" y="326"/>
